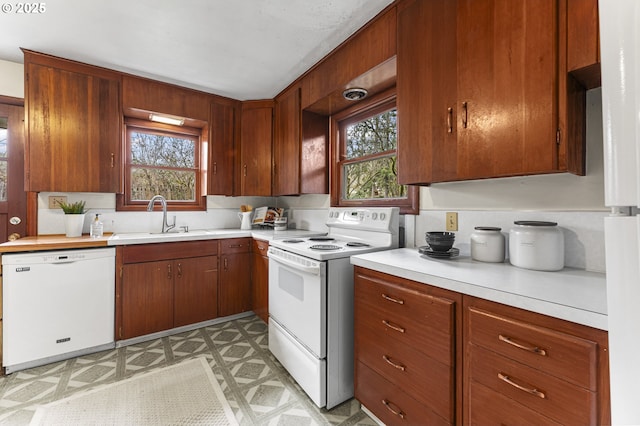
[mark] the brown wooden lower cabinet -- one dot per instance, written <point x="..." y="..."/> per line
<point x="162" y="286"/>
<point x="556" y="369"/>
<point x="234" y="290"/>
<point x="260" y="279"/>
<point x="427" y="356"/>
<point x="405" y="348"/>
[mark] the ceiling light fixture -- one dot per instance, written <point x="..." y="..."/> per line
<point x="355" y="94"/>
<point x="175" y="121"/>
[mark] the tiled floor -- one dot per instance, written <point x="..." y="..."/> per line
<point x="258" y="389"/>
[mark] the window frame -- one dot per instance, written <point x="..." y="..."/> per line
<point x="363" y="109"/>
<point x="123" y="200"/>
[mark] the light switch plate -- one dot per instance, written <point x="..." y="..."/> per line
<point x="452" y="221"/>
<point x="55" y="199"/>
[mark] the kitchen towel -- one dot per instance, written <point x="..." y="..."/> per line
<point x="186" y="393"/>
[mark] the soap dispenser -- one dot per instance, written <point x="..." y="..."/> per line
<point x="96" y="227"/>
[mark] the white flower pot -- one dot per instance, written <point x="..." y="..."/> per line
<point x="73" y="224"/>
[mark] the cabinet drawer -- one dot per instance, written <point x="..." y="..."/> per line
<point x="260" y="247"/>
<point x="429" y="381"/>
<point x="413" y="318"/>
<point x="554" y="352"/>
<point x="437" y="344"/>
<point x="389" y="403"/>
<point x="541" y="392"/>
<point x="235" y="245"/>
<point x="487" y="408"/>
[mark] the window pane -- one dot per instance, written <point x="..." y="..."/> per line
<point x="373" y="179"/>
<point x="373" y="135"/>
<point x="4" y="134"/>
<point x="176" y="185"/>
<point x="3" y="181"/>
<point x="162" y="150"/>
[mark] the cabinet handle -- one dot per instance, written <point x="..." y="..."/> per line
<point x="531" y="391"/>
<point x="449" y="120"/>
<point x="398" y="413"/>
<point x="465" y="115"/>
<point x="169" y="274"/>
<point x="179" y="270"/>
<point x="225" y="264"/>
<point x="113" y="160"/>
<point x="391" y="299"/>
<point x="529" y="348"/>
<point x="234" y="246"/>
<point x="215" y="167"/>
<point x="390" y="362"/>
<point x="244" y="168"/>
<point x="393" y="327"/>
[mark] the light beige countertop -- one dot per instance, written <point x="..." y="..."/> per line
<point x="570" y="294"/>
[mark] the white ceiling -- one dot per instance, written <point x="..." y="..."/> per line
<point x="243" y="49"/>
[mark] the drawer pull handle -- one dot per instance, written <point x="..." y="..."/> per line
<point x="398" y="413"/>
<point x="393" y="364"/>
<point x="391" y="299"/>
<point x="508" y="380"/>
<point x="533" y="349"/>
<point x="393" y="327"/>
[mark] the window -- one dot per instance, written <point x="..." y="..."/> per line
<point x="364" y="167"/>
<point x="162" y="159"/>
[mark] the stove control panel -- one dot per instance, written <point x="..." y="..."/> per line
<point x="376" y="218"/>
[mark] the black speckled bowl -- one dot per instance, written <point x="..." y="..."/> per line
<point x="440" y="241"/>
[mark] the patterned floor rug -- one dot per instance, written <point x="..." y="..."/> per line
<point x="181" y="394"/>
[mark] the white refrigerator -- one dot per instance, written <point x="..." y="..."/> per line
<point x="620" y="55"/>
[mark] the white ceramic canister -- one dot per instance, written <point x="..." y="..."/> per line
<point x="536" y="245"/>
<point x="487" y="244"/>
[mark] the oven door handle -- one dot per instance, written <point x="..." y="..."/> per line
<point x="313" y="270"/>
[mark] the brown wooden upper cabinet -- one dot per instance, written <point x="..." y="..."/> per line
<point x="583" y="42"/>
<point x="256" y="136"/>
<point x="300" y="148"/>
<point x="222" y="128"/>
<point x="480" y="91"/>
<point x="74" y="126"/>
<point x="154" y="96"/>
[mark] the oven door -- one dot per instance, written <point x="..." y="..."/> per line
<point x="298" y="298"/>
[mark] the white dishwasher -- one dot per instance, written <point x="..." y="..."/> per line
<point x="57" y="305"/>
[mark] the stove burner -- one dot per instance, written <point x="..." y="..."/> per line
<point x="324" y="247"/>
<point x="357" y="244"/>
<point x="321" y="239"/>
<point x="293" y="241"/>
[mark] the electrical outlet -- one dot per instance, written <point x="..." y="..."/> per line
<point x="55" y="199"/>
<point x="452" y="221"/>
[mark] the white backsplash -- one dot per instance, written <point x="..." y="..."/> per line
<point x="583" y="231"/>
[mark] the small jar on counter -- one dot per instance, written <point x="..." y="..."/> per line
<point x="487" y="244"/>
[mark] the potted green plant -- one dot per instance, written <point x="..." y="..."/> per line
<point x="73" y="217"/>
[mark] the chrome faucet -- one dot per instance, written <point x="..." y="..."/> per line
<point x="165" y="225"/>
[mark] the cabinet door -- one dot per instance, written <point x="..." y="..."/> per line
<point x="147" y="298"/>
<point x="426" y="91"/>
<point x="583" y="42"/>
<point x="260" y="280"/>
<point x="255" y="149"/>
<point x="221" y="148"/>
<point x="507" y="87"/>
<point x="286" y="147"/>
<point x="74" y="124"/>
<point x="195" y="290"/>
<point x="234" y="288"/>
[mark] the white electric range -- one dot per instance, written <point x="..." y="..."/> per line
<point x="311" y="299"/>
